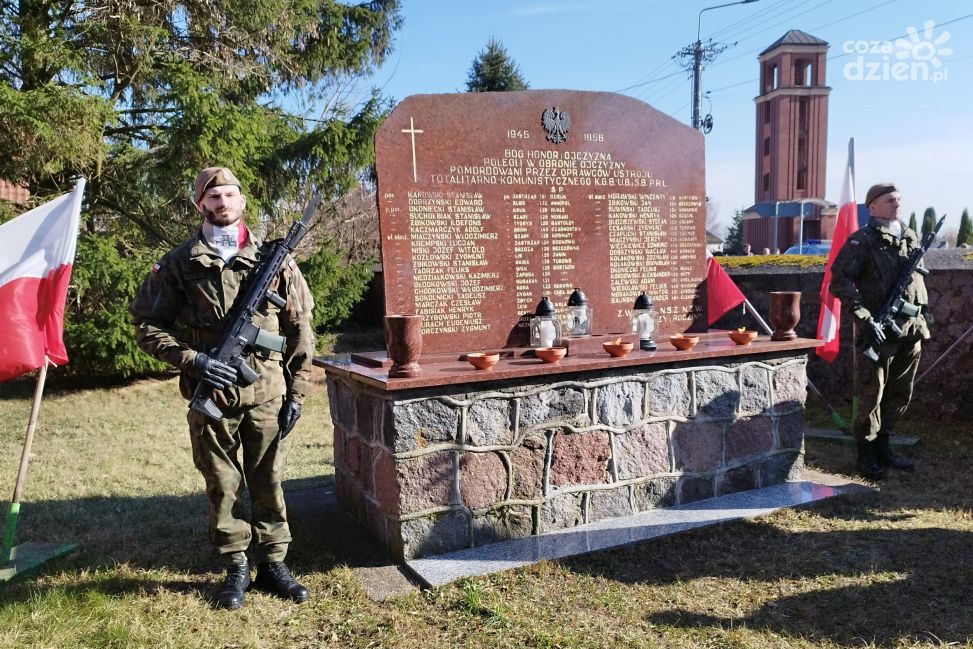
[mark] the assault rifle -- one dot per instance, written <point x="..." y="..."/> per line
<point x="241" y="336"/>
<point x="895" y="304"/>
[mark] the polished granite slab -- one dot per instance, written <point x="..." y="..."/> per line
<point x="30" y="556"/>
<point x="445" y="370"/>
<point x="840" y="436"/>
<point x="495" y="557"/>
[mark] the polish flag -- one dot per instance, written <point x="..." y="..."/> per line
<point x="829" y="318"/>
<point x="722" y="294"/>
<point x="36" y="255"/>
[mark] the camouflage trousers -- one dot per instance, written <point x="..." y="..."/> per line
<point x="885" y="387"/>
<point x="242" y="451"/>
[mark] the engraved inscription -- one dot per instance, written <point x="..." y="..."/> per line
<point x="448" y="231"/>
<point x="497" y="216"/>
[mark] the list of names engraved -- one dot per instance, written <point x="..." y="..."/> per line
<point x="448" y="236"/>
<point x="544" y="244"/>
<point x="637" y="245"/>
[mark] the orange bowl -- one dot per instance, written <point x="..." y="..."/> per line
<point x="618" y="349"/>
<point x="482" y="360"/>
<point x="550" y="354"/>
<point x="682" y="343"/>
<point x="742" y="337"/>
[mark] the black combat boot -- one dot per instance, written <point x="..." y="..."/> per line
<point x="868" y="465"/>
<point x="274" y="577"/>
<point x="230" y="594"/>
<point x="887" y="458"/>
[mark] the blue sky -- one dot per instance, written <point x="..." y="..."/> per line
<point x="915" y="132"/>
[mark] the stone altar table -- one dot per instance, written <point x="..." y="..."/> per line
<point x="459" y="458"/>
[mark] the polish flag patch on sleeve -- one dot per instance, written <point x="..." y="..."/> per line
<point x="292" y="264"/>
<point x="156" y="267"/>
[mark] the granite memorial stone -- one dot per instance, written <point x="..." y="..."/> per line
<point x="487" y="202"/>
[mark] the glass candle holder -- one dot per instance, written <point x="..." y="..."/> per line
<point x="644" y="322"/>
<point x="545" y="329"/>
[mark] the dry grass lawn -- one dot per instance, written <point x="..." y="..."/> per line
<point x="112" y="471"/>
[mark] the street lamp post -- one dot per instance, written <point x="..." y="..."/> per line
<point x="699" y="53"/>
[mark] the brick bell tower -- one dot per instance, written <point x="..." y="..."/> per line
<point x="792" y="119"/>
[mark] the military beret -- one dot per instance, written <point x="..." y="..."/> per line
<point x="880" y="189"/>
<point x="212" y="177"/>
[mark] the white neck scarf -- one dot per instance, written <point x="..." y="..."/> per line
<point x="895" y="227"/>
<point x="225" y="240"/>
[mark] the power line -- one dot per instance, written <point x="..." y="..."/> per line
<point x="838" y="56"/>
<point x="750" y="52"/>
<point x="645" y="80"/>
<point x="659" y="97"/>
<point x="756" y="28"/>
<point x="651" y="95"/>
<point x="835" y="22"/>
<point x="657" y="69"/>
<point x="895" y="38"/>
<point x="899" y="109"/>
<point x="644" y="83"/>
<point x="748" y="19"/>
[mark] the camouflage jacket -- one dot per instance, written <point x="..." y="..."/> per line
<point x="867" y="267"/>
<point x="182" y="306"/>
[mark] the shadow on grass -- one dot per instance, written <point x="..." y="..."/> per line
<point x="876" y="586"/>
<point x="57" y="384"/>
<point x="870" y="568"/>
<point x="168" y="534"/>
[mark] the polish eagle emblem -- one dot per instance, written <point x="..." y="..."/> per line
<point x="556" y="123"/>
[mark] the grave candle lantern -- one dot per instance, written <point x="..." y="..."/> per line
<point x="577" y="320"/>
<point x="644" y="321"/>
<point x="545" y="330"/>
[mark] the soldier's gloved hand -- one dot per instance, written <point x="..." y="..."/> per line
<point x="214" y="372"/>
<point x="289" y="413"/>
<point x="876" y="331"/>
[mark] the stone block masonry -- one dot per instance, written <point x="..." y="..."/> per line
<point x="432" y="470"/>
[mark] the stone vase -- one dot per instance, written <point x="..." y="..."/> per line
<point x="403" y="341"/>
<point x="785" y="313"/>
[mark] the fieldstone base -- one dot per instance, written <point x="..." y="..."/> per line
<point x="432" y="470"/>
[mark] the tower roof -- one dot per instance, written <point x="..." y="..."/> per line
<point x="796" y="37"/>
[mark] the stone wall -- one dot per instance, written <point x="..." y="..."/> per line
<point x="950" y="286"/>
<point x="438" y="469"/>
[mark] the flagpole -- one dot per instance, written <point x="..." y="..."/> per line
<point x="756" y="316"/>
<point x="41" y="337"/>
<point x="944" y="354"/>
<point x="13" y="511"/>
<point x="834" y="413"/>
<point x="854" y="376"/>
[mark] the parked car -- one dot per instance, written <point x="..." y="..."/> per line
<point x="811" y="247"/>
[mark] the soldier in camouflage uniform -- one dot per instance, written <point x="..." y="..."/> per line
<point x="862" y="275"/>
<point x="179" y="313"/>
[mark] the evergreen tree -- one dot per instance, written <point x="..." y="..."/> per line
<point x="494" y="71"/>
<point x="912" y="222"/>
<point x="928" y="220"/>
<point x="965" y="233"/>
<point x="138" y="96"/>
<point x="734" y="236"/>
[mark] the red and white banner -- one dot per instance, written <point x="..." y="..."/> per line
<point x="36" y="255"/>
<point x="829" y="318"/>
<point x="722" y="293"/>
